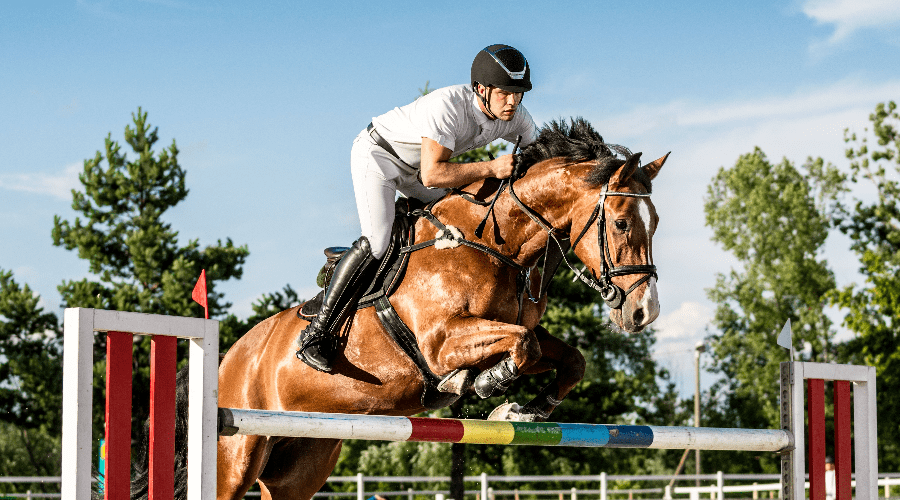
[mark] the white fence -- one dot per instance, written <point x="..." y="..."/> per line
<point x="754" y="485"/>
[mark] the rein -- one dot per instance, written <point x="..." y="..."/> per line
<point x="556" y="249"/>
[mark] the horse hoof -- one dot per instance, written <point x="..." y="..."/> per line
<point x="457" y="382"/>
<point x="511" y="412"/>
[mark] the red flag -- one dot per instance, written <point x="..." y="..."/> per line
<point x="199" y="294"/>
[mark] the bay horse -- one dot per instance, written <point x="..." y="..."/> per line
<point x="462" y="305"/>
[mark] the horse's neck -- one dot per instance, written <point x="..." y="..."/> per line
<point x="544" y="190"/>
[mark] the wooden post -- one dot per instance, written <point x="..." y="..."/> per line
<point x="843" y="449"/>
<point x="118" y="416"/>
<point x="162" y="417"/>
<point x="816" y="414"/>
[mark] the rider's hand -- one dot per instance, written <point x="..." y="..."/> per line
<point x="502" y="166"/>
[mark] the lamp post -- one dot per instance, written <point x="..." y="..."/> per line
<point x="698" y="349"/>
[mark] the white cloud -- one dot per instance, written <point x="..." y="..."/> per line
<point x="849" y="16"/>
<point x="804" y="103"/>
<point x="59" y="185"/>
<point x="685" y="323"/>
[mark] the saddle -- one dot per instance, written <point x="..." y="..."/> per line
<point x="383" y="283"/>
<point x="390" y="271"/>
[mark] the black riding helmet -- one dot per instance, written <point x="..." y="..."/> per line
<point x="503" y="67"/>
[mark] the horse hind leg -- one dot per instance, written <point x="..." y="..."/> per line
<point x="298" y="467"/>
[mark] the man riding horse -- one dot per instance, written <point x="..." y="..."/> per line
<point x="407" y="150"/>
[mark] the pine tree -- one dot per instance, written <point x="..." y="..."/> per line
<point x="134" y="256"/>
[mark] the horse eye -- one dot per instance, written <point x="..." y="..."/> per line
<point x="621" y="225"/>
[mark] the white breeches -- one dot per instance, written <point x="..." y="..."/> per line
<point x="376" y="180"/>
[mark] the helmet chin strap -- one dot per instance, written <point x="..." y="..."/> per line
<point x="486" y="102"/>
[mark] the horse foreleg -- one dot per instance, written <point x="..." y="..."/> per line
<point x="240" y="459"/>
<point x="503" y="351"/>
<point x="481" y="343"/>
<point x="569" y="365"/>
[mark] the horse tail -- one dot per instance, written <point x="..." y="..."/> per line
<point x="140" y="469"/>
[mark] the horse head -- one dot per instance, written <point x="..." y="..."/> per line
<point x="612" y="232"/>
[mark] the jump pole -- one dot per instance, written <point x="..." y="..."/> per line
<point x="446" y="430"/>
<point x="790" y="441"/>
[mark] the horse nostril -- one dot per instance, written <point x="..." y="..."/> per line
<point x="638" y="316"/>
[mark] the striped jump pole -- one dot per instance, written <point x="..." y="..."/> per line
<point x="446" y="430"/>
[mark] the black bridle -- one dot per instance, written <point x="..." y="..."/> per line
<point x="611" y="293"/>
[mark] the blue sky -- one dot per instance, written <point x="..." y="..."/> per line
<point x="264" y="99"/>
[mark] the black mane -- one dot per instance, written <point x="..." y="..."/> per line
<point x="578" y="142"/>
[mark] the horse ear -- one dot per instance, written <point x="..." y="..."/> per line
<point x="627" y="170"/>
<point x="652" y="168"/>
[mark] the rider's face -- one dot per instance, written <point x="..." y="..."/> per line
<point x="503" y="103"/>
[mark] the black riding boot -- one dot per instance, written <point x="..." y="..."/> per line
<point x="495" y="380"/>
<point x="318" y="344"/>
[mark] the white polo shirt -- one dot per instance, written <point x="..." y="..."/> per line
<point x="451" y="117"/>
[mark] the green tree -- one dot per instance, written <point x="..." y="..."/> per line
<point x="134" y="256"/>
<point x="874" y="307"/>
<point x="30" y="382"/>
<point x="774" y="219"/>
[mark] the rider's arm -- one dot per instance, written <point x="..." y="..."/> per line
<point x="436" y="171"/>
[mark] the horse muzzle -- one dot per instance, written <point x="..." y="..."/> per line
<point x="638" y="311"/>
